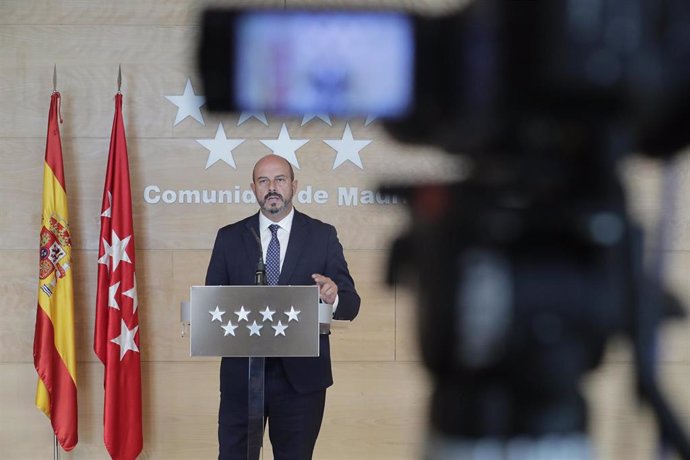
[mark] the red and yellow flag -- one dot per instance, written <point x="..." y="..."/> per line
<point x="54" y="355"/>
<point x="116" y="336"/>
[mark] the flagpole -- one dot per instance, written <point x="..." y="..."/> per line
<point x="119" y="78"/>
<point x="56" y="449"/>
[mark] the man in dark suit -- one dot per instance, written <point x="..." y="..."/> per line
<point x="295" y="388"/>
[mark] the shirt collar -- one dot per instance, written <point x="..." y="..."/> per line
<point x="285" y="223"/>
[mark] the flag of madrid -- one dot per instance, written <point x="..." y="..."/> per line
<point x="116" y="331"/>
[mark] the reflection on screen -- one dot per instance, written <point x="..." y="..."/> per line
<point x="343" y="63"/>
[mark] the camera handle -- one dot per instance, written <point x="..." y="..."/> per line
<point x="644" y="323"/>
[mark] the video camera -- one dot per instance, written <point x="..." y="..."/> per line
<point x="532" y="261"/>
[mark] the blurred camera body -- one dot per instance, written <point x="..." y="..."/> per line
<point x="525" y="268"/>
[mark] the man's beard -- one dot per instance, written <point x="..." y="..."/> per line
<point x="276" y="209"/>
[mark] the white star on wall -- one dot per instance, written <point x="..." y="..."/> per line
<point x="267" y="314"/>
<point x="292" y="314"/>
<point x="348" y="148"/>
<point x="322" y="116"/>
<point x="280" y="329"/>
<point x="126" y="339"/>
<point x="188" y="104"/>
<point x="229" y="329"/>
<point x="242" y="314"/>
<point x="132" y="294"/>
<point x="244" y="116"/>
<point x="369" y="120"/>
<point x="254" y="329"/>
<point x="216" y="315"/>
<point x="220" y="148"/>
<point x="284" y="146"/>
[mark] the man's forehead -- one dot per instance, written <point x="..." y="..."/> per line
<point x="271" y="169"/>
<point x="275" y="169"/>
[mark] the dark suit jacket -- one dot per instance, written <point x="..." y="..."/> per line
<point x="313" y="247"/>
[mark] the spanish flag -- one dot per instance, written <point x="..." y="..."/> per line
<point x="54" y="355"/>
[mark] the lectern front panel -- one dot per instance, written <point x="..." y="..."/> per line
<point x="246" y="321"/>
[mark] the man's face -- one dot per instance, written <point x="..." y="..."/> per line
<point x="273" y="187"/>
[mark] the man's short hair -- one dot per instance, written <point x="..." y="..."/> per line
<point x="292" y="171"/>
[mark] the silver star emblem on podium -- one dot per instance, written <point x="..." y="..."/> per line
<point x="242" y="314"/>
<point x="267" y="314"/>
<point x="229" y="329"/>
<point x="292" y="314"/>
<point x="216" y="315"/>
<point x="280" y="329"/>
<point x="254" y="329"/>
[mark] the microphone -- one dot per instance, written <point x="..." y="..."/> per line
<point x="260" y="274"/>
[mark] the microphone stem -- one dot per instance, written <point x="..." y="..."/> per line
<point x="260" y="275"/>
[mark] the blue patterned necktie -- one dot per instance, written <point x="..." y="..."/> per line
<point x="273" y="256"/>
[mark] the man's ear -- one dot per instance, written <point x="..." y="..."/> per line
<point x="295" y="186"/>
<point x="253" y="187"/>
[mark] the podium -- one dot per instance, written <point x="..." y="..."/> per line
<point x="255" y="322"/>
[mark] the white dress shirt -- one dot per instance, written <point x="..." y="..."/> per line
<point x="283" y="233"/>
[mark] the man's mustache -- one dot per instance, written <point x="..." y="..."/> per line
<point x="271" y="194"/>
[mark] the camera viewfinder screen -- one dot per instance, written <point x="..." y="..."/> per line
<point x="343" y="63"/>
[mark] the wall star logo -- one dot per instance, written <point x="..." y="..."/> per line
<point x="348" y="148"/>
<point x="221" y="147"/>
<point x="244" y="116"/>
<point x="188" y="104"/>
<point x="321" y="116"/>
<point x="284" y="146"/>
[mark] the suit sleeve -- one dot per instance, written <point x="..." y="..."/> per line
<point x="337" y="270"/>
<point x="217" y="274"/>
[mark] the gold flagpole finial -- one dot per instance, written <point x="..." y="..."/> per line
<point x="55" y="78"/>
<point x="119" y="78"/>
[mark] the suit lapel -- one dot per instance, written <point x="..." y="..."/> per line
<point x="252" y="246"/>
<point x="296" y="244"/>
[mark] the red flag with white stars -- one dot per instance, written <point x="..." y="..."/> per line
<point x="116" y="332"/>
